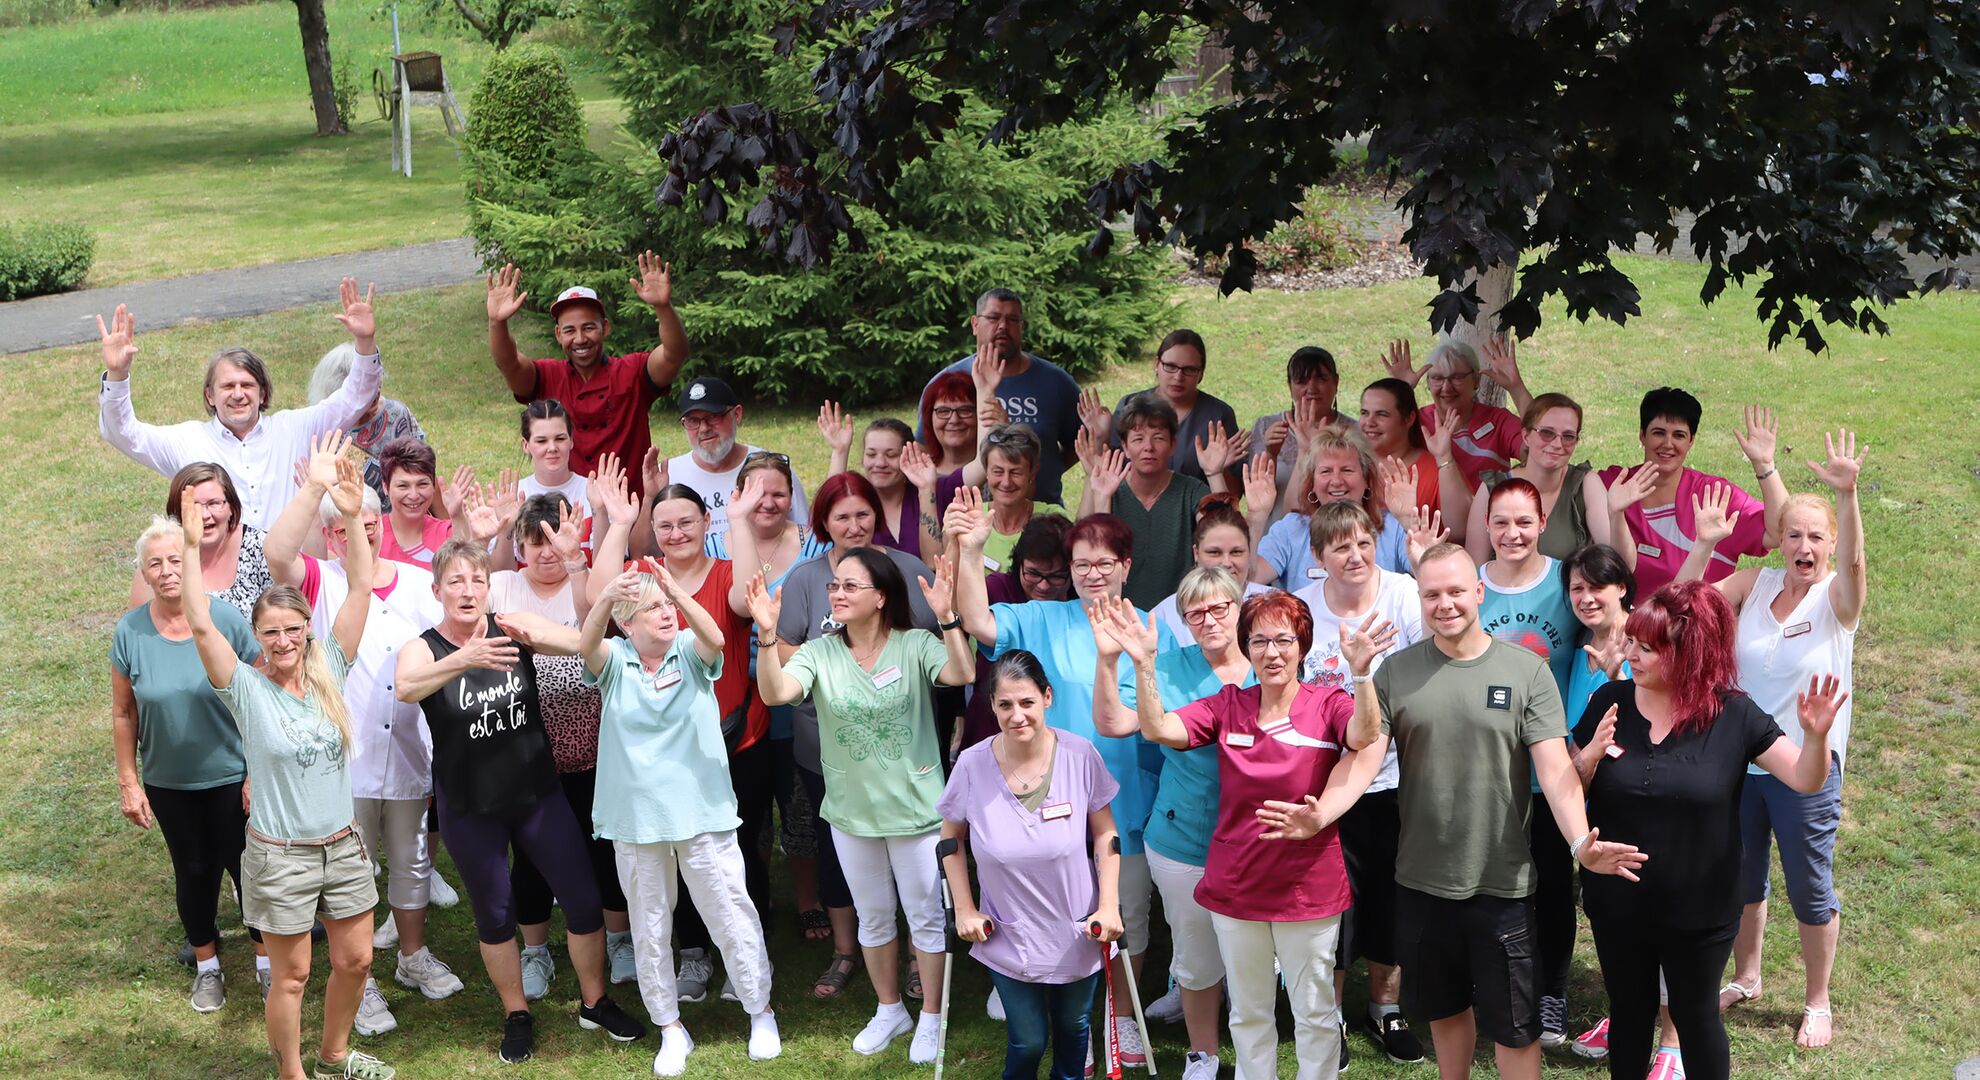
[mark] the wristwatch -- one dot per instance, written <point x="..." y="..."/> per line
<point x="952" y="624"/>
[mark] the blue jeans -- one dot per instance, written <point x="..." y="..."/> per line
<point x="1034" y="1009"/>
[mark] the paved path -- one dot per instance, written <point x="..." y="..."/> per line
<point x="70" y="318"/>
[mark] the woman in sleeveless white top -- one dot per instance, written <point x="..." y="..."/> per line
<point x="1795" y="624"/>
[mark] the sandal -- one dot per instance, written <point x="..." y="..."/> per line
<point x="1741" y="994"/>
<point x="817" y="925"/>
<point x="913" y="990"/>
<point x="1810" y="1014"/>
<point x="837" y="975"/>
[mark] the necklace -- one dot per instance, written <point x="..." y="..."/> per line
<point x="869" y="657"/>
<point x="1019" y="784"/>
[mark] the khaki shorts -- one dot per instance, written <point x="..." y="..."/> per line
<point x="285" y="889"/>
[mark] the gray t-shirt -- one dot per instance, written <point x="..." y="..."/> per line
<point x="807" y="614"/>
<point x="1045" y="399"/>
<point x="1462" y="729"/>
<point x="1208" y="412"/>
<point x="186" y="739"/>
<point x="295" y="757"/>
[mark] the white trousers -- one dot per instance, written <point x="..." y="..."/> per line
<point x="397" y="827"/>
<point x="1195" y="961"/>
<point x="877" y="867"/>
<point x="712" y="866"/>
<point x="1137" y="903"/>
<point x="1305" y="952"/>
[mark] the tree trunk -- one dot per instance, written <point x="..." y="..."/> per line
<point x="316" y="59"/>
<point x="1495" y="287"/>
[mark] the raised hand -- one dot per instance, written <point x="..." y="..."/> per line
<point x="357" y="315"/>
<point x="1817" y="708"/>
<point x="1500" y="363"/>
<point x="609" y="495"/>
<point x="1217" y="449"/>
<point x="1425" y="531"/>
<point x="1437" y="439"/>
<point x="1289" y="821"/>
<point x="1711" y="519"/>
<point x="564" y="539"/>
<point x="625" y="586"/>
<point x="1363" y="644"/>
<point x="1605" y="857"/>
<point x="1088" y="446"/>
<point x="1307" y="420"/>
<point x="119" y="343"/>
<point x="918" y="467"/>
<point x="1104" y="477"/>
<point x="1844" y="462"/>
<point x="652" y="471"/>
<point x="1398" y="486"/>
<point x="764" y="607"/>
<point x="837" y="428"/>
<point x="495" y="653"/>
<point x="1608" y="657"/>
<point x="325" y="451"/>
<point x="1396" y="362"/>
<point x="1631" y="485"/>
<point x="747" y="498"/>
<point x="987" y="372"/>
<point x="484" y="522"/>
<point x="519" y="631"/>
<point x="655" y="281"/>
<point x="1605" y="737"/>
<point x="347" y="494"/>
<point x="990" y="414"/>
<point x="192" y="526"/>
<point x="966" y="520"/>
<point x="1762" y="432"/>
<point x="504" y="299"/>
<point x="1138" y="640"/>
<point x="1261" y="482"/>
<point x="454" y="497"/>
<point x="940" y="591"/>
<point x="1095" y="416"/>
<point x="1276" y="433"/>
<point x="506" y="497"/>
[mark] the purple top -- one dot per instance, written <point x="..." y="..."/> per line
<point x="909" y="542"/>
<point x="1033" y="869"/>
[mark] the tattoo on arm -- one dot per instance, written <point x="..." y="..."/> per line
<point x="934" y="527"/>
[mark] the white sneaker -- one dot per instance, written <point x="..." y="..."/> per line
<point x="1199" y="1066"/>
<point x="995" y="1006"/>
<point x="764" y="1041"/>
<point x="619" y="956"/>
<point x="438" y="892"/>
<point x="1133" y="1056"/>
<point x="386" y="936"/>
<point x="1168" y="1008"/>
<point x="426" y="973"/>
<point x="538" y="971"/>
<point x="675" y="1045"/>
<point x="890" y="1023"/>
<point x="691" y="983"/>
<point x="374" y="1017"/>
<point x="927" y="1038"/>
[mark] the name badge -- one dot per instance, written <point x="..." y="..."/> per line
<point x="1314" y="572"/>
<point x="887" y="676"/>
<point x="1055" y="811"/>
<point x="1239" y="738"/>
<point x="671" y="678"/>
<point x="1613" y="751"/>
<point x="991" y="564"/>
<point x="1480" y="433"/>
<point x="1796" y="630"/>
<point x="1651" y="550"/>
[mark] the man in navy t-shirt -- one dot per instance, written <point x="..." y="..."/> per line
<point x="1035" y="392"/>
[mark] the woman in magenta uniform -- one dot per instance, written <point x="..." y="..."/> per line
<point x="1275" y="883"/>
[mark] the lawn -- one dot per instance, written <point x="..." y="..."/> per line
<point x="187" y="142"/>
<point x="88" y="987"/>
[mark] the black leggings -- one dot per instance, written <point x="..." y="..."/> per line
<point x="1694" y="964"/>
<point x="534" y="898"/>
<point x="833" y="891"/>
<point x="1553" y="898"/>
<point x="205" y="831"/>
<point x="751" y="772"/>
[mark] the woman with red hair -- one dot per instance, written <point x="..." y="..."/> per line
<point x="1663" y="757"/>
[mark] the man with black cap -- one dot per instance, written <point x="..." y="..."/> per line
<point x="608" y="397"/>
<point x="710" y="414"/>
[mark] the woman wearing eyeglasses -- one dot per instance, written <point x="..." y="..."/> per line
<point x="231" y="553"/>
<point x="1060" y="633"/>
<point x="1578" y="509"/>
<point x="871" y="681"/>
<point x="1179" y="365"/>
<point x="1274" y="880"/>
<point x="1221" y="540"/>
<point x="1185" y="807"/>
<point x="880" y="450"/>
<point x="1336" y="466"/>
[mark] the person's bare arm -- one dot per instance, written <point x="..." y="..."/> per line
<point x="967" y="520"/>
<point x="655" y="285"/>
<point x="1851" y="587"/>
<point x="777" y="687"/>
<point x="131" y="798"/>
<point x="348" y="496"/>
<point x="419" y="676"/>
<point x="1758" y="442"/>
<point x="504" y="301"/>
<point x="1806" y="769"/>
<point x="216" y="653"/>
<point x="591" y="639"/>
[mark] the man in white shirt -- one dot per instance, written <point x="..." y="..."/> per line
<point x="710" y="414"/>
<point x="258" y="450"/>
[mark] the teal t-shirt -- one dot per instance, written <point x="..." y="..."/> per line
<point x="1185" y="809"/>
<point x="663" y="770"/>
<point x="876" y="732"/>
<point x="295" y="756"/>
<point x="186" y="739"/>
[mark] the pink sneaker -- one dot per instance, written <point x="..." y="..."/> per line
<point x="1668" y="1065"/>
<point x="1594" y="1043"/>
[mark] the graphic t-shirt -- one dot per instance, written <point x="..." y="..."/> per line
<point x="876" y="732"/>
<point x="1396" y="601"/>
<point x="1534" y="616"/>
<point x="717" y="488"/>
<point x="490" y="754"/>
<point x="187" y="740"/>
<point x="295" y="758"/>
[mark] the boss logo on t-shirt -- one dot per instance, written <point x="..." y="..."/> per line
<point x="1498" y="697"/>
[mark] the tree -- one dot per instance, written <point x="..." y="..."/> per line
<point x="1815" y="141"/>
<point x="316" y="60"/>
<point x="499" y="22"/>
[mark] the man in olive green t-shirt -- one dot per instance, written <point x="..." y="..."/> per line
<point x="1472" y="719"/>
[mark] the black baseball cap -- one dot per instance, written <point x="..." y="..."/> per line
<point x="708" y="394"/>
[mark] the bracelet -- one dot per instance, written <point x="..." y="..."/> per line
<point x="1363" y="678"/>
<point x="762" y="644"/>
<point x="1770" y="470"/>
<point x="1446" y="463"/>
<point x="1574" y="849"/>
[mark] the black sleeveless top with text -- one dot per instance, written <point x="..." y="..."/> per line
<point x="490" y="752"/>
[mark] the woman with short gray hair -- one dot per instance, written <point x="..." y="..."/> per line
<point x="381" y="422"/>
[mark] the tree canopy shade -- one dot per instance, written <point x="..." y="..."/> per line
<point x="1816" y="142"/>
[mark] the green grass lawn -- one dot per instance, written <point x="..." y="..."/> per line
<point x="88" y="987"/>
<point x="187" y="142"/>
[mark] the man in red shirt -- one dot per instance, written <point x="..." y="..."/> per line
<point x="607" y="396"/>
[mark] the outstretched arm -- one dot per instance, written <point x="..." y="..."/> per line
<point x="348" y="496"/>
<point x="216" y="653"/>
<point x="360" y="386"/>
<point x="1758" y="442"/>
<point x="1847" y="594"/>
<point x="655" y="285"/>
<point x="147" y="444"/>
<point x="504" y="300"/>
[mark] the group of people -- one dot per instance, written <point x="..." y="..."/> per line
<point x="1392" y="671"/>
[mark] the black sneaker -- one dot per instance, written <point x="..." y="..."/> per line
<point x="1392" y="1031"/>
<point x="1344" y="1048"/>
<point x="518" y="1037"/>
<point x="614" y="1020"/>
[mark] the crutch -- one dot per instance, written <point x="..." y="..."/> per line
<point x="1134" y="993"/>
<point x="943" y="849"/>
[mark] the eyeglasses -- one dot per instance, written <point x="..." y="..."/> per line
<point x="849" y="587"/>
<point x="1199" y="616"/>
<point x="1103" y="567"/>
<point x="951" y="412"/>
<point x="1282" y="643"/>
<point x="1179" y="371"/>
<point x="755" y="456"/>
<point x="1566" y="438"/>
<point x="1440" y="379"/>
<point x="212" y="507"/>
<point x="1041" y="577"/>
<point x="279" y="633"/>
<point x="701" y="419"/>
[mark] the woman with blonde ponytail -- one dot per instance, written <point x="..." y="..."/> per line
<point x="303" y="856"/>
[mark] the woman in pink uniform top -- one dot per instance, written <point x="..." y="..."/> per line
<point x="1275" y="883"/>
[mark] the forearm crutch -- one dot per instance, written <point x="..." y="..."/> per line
<point x="1134" y="992"/>
<point x="943" y="849"/>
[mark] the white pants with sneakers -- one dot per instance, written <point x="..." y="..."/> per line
<point x="1305" y="951"/>
<point x="1195" y="962"/>
<point x="877" y="867"/>
<point x="712" y="866"/>
<point x="397" y="827"/>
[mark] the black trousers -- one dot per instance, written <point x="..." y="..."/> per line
<point x="751" y="772"/>
<point x="205" y="831"/>
<point x="533" y="895"/>
<point x="1693" y="961"/>
<point x="1553" y="898"/>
